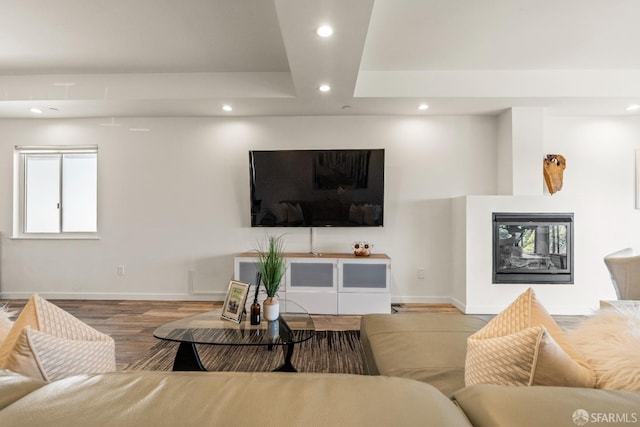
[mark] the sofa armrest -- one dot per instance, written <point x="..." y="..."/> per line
<point x="498" y="406"/>
<point x="144" y="398"/>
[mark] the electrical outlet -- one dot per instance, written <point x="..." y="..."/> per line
<point x="420" y="272"/>
<point x="121" y="270"/>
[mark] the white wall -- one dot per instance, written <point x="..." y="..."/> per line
<point x="599" y="186"/>
<point x="505" y="153"/>
<point x="174" y="202"/>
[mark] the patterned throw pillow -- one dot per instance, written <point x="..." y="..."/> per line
<point x="523" y="345"/>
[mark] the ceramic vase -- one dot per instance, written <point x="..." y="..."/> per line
<point x="271" y="309"/>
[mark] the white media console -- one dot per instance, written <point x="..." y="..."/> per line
<point x="332" y="283"/>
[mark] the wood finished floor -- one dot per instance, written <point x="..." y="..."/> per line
<point x="131" y="323"/>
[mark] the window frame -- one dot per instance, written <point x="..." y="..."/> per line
<point x="19" y="191"/>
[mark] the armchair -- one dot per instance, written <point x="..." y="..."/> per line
<point x="624" y="267"/>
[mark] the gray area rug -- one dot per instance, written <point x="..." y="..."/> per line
<point x="327" y="352"/>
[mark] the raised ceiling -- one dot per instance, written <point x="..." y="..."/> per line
<point x="120" y="58"/>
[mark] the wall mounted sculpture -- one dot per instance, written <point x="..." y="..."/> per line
<point x="553" y="167"/>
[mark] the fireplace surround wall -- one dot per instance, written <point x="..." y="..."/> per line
<point x="534" y="248"/>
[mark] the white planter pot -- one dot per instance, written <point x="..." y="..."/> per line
<point x="271" y="309"/>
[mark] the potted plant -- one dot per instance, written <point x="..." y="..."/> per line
<point x="271" y="265"/>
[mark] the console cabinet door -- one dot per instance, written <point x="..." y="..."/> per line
<point x="364" y="275"/>
<point x="363" y="286"/>
<point x="311" y="274"/>
<point x="245" y="270"/>
<point x="313" y="283"/>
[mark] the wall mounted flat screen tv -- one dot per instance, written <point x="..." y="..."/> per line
<point x="317" y="188"/>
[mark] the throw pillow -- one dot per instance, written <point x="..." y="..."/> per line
<point x="48" y="343"/>
<point x="523" y="345"/>
<point x="26" y="318"/>
<point x="611" y="342"/>
<point x="5" y="322"/>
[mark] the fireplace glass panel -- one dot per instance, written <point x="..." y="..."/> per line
<point x="533" y="248"/>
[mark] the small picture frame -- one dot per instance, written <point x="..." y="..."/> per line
<point x="235" y="301"/>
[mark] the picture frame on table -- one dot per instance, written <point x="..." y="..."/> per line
<point x="234" y="303"/>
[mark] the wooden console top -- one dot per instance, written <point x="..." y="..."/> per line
<point x="320" y="255"/>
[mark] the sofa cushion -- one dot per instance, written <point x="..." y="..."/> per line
<point x="14" y="386"/>
<point x="428" y="347"/>
<point x="233" y="398"/>
<point x="26" y="318"/>
<point x="523" y="345"/>
<point x="502" y="406"/>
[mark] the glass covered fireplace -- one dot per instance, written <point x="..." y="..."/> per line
<point x="533" y="248"/>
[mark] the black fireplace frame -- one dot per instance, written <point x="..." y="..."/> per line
<point x="550" y="277"/>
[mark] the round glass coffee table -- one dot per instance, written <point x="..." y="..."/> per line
<point x="293" y="326"/>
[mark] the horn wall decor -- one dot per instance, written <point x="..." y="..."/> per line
<point x="553" y="167"/>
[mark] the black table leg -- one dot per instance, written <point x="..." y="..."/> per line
<point x="287" y="366"/>
<point x="187" y="358"/>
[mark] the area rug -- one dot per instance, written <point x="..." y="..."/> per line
<point x="326" y="352"/>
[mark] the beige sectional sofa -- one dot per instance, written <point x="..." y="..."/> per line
<point x="431" y="348"/>
<point x="139" y="399"/>
<point x="427" y="350"/>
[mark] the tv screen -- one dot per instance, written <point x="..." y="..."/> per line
<point x="317" y="188"/>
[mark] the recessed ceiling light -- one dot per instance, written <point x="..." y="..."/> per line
<point x="324" y="31"/>
<point x="35" y="110"/>
<point x="324" y="88"/>
<point x="227" y="108"/>
<point x="423" y="107"/>
<point x="633" y="107"/>
<point x="139" y="129"/>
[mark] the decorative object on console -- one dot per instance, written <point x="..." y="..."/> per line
<point x="523" y="345"/>
<point x="553" y="167"/>
<point x="362" y="248"/>
<point x="271" y="265"/>
<point x="234" y="303"/>
<point x="610" y="340"/>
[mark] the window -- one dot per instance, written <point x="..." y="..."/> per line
<point x="56" y="193"/>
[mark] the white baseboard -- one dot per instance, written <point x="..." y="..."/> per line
<point x="212" y="296"/>
<point x="195" y="296"/>
<point x="459" y="305"/>
<point x="421" y="300"/>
